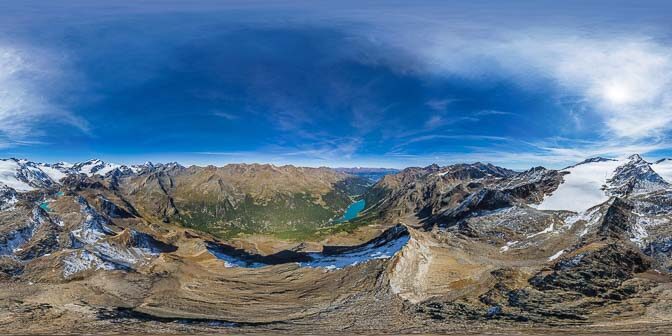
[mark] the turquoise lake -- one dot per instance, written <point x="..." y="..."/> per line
<point x="45" y="206"/>
<point x="353" y="211"/>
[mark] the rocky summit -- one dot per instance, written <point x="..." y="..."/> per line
<point x="95" y="247"/>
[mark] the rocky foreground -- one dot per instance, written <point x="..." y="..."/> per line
<point x="468" y="248"/>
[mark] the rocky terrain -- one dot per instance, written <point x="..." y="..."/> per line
<point x="371" y="174"/>
<point x="469" y="248"/>
<point x="228" y="200"/>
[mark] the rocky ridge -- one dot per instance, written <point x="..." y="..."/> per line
<point x="468" y="247"/>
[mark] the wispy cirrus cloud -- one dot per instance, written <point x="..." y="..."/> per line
<point x="225" y="115"/>
<point x="27" y="78"/>
<point x="615" y="88"/>
<point x="365" y="80"/>
<point x="320" y="153"/>
<point x="625" y="80"/>
<point x="482" y="113"/>
<point x="512" y="153"/>
<point x="402" y="148"/>
<point x="440" y="105"/>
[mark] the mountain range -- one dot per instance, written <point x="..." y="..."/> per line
<point x="99" y="247"/>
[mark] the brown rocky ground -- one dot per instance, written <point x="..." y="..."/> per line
<point x="430" y="287"/>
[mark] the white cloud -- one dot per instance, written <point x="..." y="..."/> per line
<point x="225" y="115"/>
<point x="439" y="105"/>
<point x="517" y="154"/>
<point x="334" y="152"/>
<point x="28" y="78"/>
<point x="627" y="81"/>
<point x="435" y="121"/>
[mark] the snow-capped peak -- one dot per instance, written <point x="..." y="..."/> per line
<point x="593" y="181"/>
<point x="94" y="167"/>
<point x="635" y="158"/>
<point x="592" y="160"/>
<point x="56" y="171"/>
<point x="635" y="176"/>
<point x="23" y="175"/>
<point x="62" y="164"/>
<point x="141" y="167"/>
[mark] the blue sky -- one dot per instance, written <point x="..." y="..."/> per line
<point x="350" y="84"/>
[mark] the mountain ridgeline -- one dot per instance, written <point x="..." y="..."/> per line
<point x="224" y="201"/>
<point x="436" y="249"/>
<point x="242" y="198"/>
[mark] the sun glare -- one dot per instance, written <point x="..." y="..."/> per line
<point x="617" y="93"/>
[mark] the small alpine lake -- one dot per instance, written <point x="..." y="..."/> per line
<point x="352" y="211"/>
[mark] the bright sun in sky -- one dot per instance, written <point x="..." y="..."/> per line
<point x="618" y="94"/>
<point x="232" y="81"/>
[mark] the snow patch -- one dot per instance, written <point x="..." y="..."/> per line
<point x="383" y="247"/>
<point x="122" y="255"/>
<point x="583" y="187"/>
<point x="588" y="216"/>
<point x="9" y="175"/>
<point x="8" y="198"/>
<point x="53" y="173"/>
<point x="638" y="233"/>
<point x="95" y="167"/>
<point x="556" y="256"/>
<point x="143" y="249"/>
<point x="233" y="261"/>
<point x="93" y="228"/>
<point x="549" y="229"/>
<point x="83" y="260"/>
<point x="507" y="246"/>
<point x="13" y="240"/>
<point x="358" y="255"/>
<point x="664" y="169"/>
